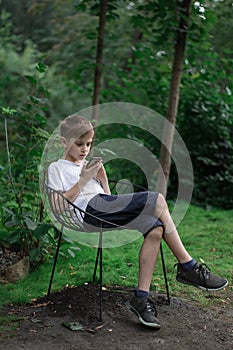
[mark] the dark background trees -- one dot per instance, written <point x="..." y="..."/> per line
<point x="137" y="64"/>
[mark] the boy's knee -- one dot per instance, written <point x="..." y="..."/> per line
<point x="161" y="204"/>
<point x="161" y="199"/>
<point x="156" y="233"/>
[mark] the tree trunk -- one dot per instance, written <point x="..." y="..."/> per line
<point x="99" y="60"/>
<point x="168" y="132"/>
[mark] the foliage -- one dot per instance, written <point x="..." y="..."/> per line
<point x="25" y="226"/>
<point x="22" y="210"/>
<point x="138" y="56"/>
<point x="24" y="235"/>
<point x="221" y="38"/>
<point x="13" y="65"/>
<point x="206" y="100"/>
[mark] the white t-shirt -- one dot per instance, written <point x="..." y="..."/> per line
<point x="63" y="174"/>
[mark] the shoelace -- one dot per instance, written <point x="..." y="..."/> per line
<point x="203" y="270"/>
<point x="150" y="306"/>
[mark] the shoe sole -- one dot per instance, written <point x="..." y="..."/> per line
<point x="148" y="324"/>
<point x="201" y="287"/>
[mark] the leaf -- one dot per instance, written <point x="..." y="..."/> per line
<point x="9" y="224"/>
<point x="42" y="230"/>
<point x="35" y="320"/>
<point x="67" y="239"/>
<point x="38" y="100"/>
<point x="15" y="221"/>
<point x="71" y="253"/>
<point x="63" y="254"/>
<point x="31" y="79"/>
<point x="73" y="326"/>
<point x="34" y="254"/>
<point x="75" y="248"/>
<point x="7" y="110"/>
<point x="41" y="67"/>
<point x="14" y="237"/>
<point x="42" y="133"/>
<point x="7" y="210"/>
<point x="31" y="225"/>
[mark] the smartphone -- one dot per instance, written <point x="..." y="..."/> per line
<point x="93" y="161"/>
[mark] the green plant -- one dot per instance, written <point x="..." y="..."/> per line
<point x="23" y="217"/>
<point x="23" y="234"/>
<point x="24" y="221"/>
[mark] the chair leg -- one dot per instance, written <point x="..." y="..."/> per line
<point x="55" y="260"/>
<point x="96" y="264"/>
<point x="99" y="259"/>
<point x="101" y="275"/>
<point x="165" y="274"/>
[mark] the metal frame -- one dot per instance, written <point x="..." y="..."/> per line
<point x="73" y="221"/>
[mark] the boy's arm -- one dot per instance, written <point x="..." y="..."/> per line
<point x="54" y="181"/>
<point x="86" y="175"/>
<point x="74" y="191"/>
<point x="59" y="205"/>
<point x="102" y="177"/>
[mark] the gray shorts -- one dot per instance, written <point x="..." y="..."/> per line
<point x="133" y="211"/>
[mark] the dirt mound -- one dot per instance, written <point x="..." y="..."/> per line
<point x="185" y="325"/>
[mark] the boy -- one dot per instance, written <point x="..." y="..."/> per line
<point x="87" y="187"/>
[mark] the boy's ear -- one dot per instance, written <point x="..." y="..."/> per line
<point x="64" y="142"/>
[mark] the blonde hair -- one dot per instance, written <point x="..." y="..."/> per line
<point x="74" y="126"/>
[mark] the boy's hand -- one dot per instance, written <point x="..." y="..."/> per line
<point x="88" y="173"/>
<point x="101" y="175"/>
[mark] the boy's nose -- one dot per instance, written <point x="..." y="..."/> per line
<point x="84" y="148"/>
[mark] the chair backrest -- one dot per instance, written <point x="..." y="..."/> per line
<point x="64" y="211"/>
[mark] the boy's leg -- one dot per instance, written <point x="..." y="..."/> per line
<point x="188" y="271"/>
<point x="171" y="235"/>
<point x="148" y="257"/>
<point x="141" y="304"/>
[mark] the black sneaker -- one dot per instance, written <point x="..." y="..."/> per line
<point x="146" y="311"/>
<point x="200" y="277"/>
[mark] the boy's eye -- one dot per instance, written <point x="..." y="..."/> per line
<point x="80" y="144"/>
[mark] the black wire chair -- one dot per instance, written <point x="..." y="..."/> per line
<point x="70" y="216"/>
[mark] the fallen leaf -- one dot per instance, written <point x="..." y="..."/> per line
<point x="35" y="320"/>
<point x="99" y="327"/>
<point x="40" y="305"/>
<point x="73" y="326"/>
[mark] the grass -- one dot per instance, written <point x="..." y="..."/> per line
<point x="9" y="324"/>
<point x="207" y="235"/>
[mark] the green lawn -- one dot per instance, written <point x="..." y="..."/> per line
<point x="207" y="235"/>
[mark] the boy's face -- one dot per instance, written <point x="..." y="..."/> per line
<point x="78" y="151"/>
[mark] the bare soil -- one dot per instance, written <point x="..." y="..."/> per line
<point x="185" y="324"/>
